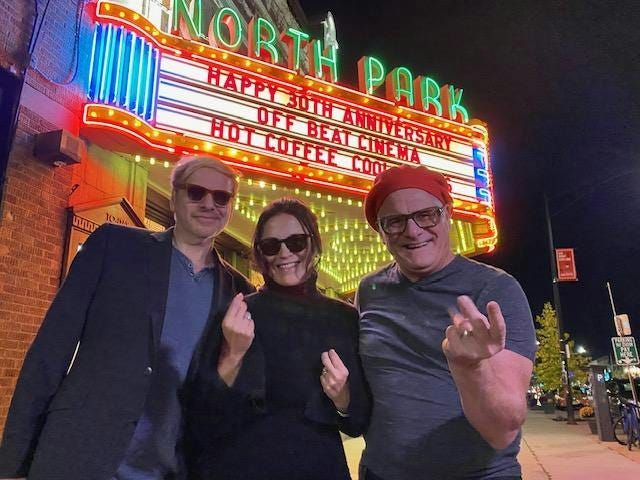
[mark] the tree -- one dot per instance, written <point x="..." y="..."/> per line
<point x="578" y="363"/>
<point x="548" y="365"/>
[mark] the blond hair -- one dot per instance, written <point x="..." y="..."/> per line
<point x="189" y="164"/>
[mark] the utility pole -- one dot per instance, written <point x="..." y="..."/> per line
<point x="564" y="347"/>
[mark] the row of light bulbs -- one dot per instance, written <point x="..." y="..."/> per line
<point x="152" y="161"/>
<point x="306" y="193"/>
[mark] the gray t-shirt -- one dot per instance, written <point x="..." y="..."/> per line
<point x="418" y="430"/>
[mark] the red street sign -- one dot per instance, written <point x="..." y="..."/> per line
<point x="566" y="264"/>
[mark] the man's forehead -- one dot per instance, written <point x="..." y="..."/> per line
<point x="206" y="176"/>
<point x="407" y="200"/>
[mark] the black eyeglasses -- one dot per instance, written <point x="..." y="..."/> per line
<point x="196" y="193"/>
<point x="427" y="218"/>
<point x="295" y="243"/>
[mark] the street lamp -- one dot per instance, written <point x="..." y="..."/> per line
<point x="581" y="350"/>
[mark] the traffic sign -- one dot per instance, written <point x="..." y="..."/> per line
<point x="623" y="327"/>
<point x="625" y="351"/>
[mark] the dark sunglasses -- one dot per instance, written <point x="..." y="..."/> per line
<point x="196" y="193"/>
<point x="295" y="243"/>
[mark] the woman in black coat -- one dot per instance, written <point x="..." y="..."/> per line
<point x="270" y="390"/>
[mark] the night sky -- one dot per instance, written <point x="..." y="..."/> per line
<point x="558" y="84"/>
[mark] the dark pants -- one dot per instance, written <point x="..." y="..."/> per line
<point x="366" y="474"/>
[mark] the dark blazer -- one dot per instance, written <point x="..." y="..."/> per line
<point x="72" y="417"/>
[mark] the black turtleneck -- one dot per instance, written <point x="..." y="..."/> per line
<point x="291" y="429"/>
<point x="306" y="288"/>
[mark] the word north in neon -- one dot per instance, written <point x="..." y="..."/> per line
<point x="226" y="30"/>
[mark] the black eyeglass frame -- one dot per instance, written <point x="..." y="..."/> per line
<point x="227" y="195"/>
<point x="436" y="217"/>
<point x="292" y="247"/>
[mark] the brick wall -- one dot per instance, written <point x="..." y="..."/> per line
<point x="31" y="248"/>
<point x="17" y="19"/>
<point x="33" y="209"/>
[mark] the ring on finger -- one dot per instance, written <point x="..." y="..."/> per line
<point x="247" y="315"/>
<point x="324" y="371"/>
<point x="466" y="333"/>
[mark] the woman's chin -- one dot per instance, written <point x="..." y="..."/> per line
<point x="291" y="281"/>
<point x="287" y="279"/>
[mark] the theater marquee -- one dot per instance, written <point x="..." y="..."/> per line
<point x="194" y="91"/>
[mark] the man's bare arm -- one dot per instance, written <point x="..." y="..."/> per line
<point x="492" y="382"/>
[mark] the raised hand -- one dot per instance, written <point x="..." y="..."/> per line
<point x="238" y="328"/>
<point x="238" y="331"/>
<point x="473" y="337"/>
<point x="334" y="380"/>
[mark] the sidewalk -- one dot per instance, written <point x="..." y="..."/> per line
<point x="555" y="450"/>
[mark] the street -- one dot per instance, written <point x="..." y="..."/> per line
<point x="554" y="450"/>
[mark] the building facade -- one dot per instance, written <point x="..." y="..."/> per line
<point x="109" y="94"/>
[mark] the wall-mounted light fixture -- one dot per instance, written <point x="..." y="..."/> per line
<point x="60" y="148"/>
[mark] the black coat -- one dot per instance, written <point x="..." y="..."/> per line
<point x="276" y="422"/>
<point x="78" y="424"/>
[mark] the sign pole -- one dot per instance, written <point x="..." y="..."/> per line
<point x="613" y="309"/>
<point x="556" y="303"/>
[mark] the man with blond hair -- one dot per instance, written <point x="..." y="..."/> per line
<point x="98" y="394"/>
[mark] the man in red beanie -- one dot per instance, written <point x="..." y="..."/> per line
<point x="447" y="344"/>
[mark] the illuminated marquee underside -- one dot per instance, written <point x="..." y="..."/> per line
<point x="154" y="92"/>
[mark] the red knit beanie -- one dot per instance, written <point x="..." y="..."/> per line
<point x="399" y="178"/>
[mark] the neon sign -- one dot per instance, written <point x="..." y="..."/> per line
<point x="178" y="94"/>
<point x="124" y="70"/>
<point x="226" y="31"/>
